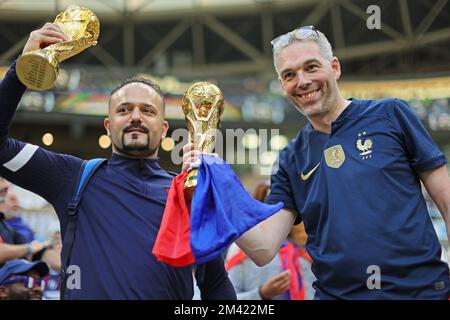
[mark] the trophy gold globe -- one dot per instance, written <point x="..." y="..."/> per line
<point x="38" y="69"/>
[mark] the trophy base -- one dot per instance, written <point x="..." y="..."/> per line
<point x="37" y="71"/>
<point x="191" y="179"/>
<point x="189" y="185"/>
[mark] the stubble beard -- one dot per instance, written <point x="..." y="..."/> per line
<point x="327" y="106"/>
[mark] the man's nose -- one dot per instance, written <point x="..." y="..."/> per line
<point x="303" y="80"/>
<point x="136" y="115"/>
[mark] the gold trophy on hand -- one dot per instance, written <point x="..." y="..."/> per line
<point x="202" y="107"/>
<point x="38" y="69"/>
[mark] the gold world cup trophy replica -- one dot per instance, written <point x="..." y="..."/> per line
<point x="38" y="69"/>
<point x="202" y="108"/>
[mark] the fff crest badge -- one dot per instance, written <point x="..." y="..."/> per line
<point x="366" y="147"/>
<point x="334" y="156"/>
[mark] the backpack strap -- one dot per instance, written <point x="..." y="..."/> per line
<point x="87" y="170"/>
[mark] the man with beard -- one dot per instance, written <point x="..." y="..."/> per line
<point x="123" y="204"/>
<point x="22" y="280"/>
<point x="352" y="175"/>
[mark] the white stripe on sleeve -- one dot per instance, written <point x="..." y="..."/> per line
<point x="21" y="158"/>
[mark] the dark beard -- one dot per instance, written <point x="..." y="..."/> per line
<point x="142" y="151"/>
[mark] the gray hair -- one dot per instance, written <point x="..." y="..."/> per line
<point x="295" y="36"/>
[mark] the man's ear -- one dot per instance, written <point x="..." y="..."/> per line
<point x="336" y="67"/>
<point x="165" y="129"/>
<point x="3" y="294"/>
<point x="106" y="125"/>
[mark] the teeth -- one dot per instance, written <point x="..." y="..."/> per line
<point x="309" y="94"/>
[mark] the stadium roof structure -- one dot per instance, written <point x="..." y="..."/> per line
<point x="229" y="38"/>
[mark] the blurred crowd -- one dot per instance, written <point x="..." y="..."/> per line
<point x="29" y="269"/>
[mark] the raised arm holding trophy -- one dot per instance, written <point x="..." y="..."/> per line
<point x="38" y="69"/>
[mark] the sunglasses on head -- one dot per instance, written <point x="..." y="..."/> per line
<point x="28" y="281"/>
<point x="299" y="33"/>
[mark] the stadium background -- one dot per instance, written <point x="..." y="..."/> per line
<point x="179" y="42"/>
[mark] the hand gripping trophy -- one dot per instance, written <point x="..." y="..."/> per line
<point x="38" y="69"/>
<point x="202" y="107"/>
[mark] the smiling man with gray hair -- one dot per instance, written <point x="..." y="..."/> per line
<point x="353" y="175"/>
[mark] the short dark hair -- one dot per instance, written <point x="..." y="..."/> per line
<point x="143" y="80"/>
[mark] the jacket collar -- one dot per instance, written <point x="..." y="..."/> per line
<point x="142" y="167"/>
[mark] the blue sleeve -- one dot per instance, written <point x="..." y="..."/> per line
<point x="28" y="166"/>
<point x="280" y="185"/>
<point x="11" y="91"/>
<point x="214" y="283"/>
<point x="421" y="151"/>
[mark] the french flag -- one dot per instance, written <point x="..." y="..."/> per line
<point x="220" y="212"/>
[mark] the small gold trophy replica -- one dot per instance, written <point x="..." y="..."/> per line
<point x="38" y="69"/>
<point x="202" y="108"/>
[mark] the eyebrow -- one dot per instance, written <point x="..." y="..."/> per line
<point x="140" y="104"/>
<point x="314" y="60"/>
